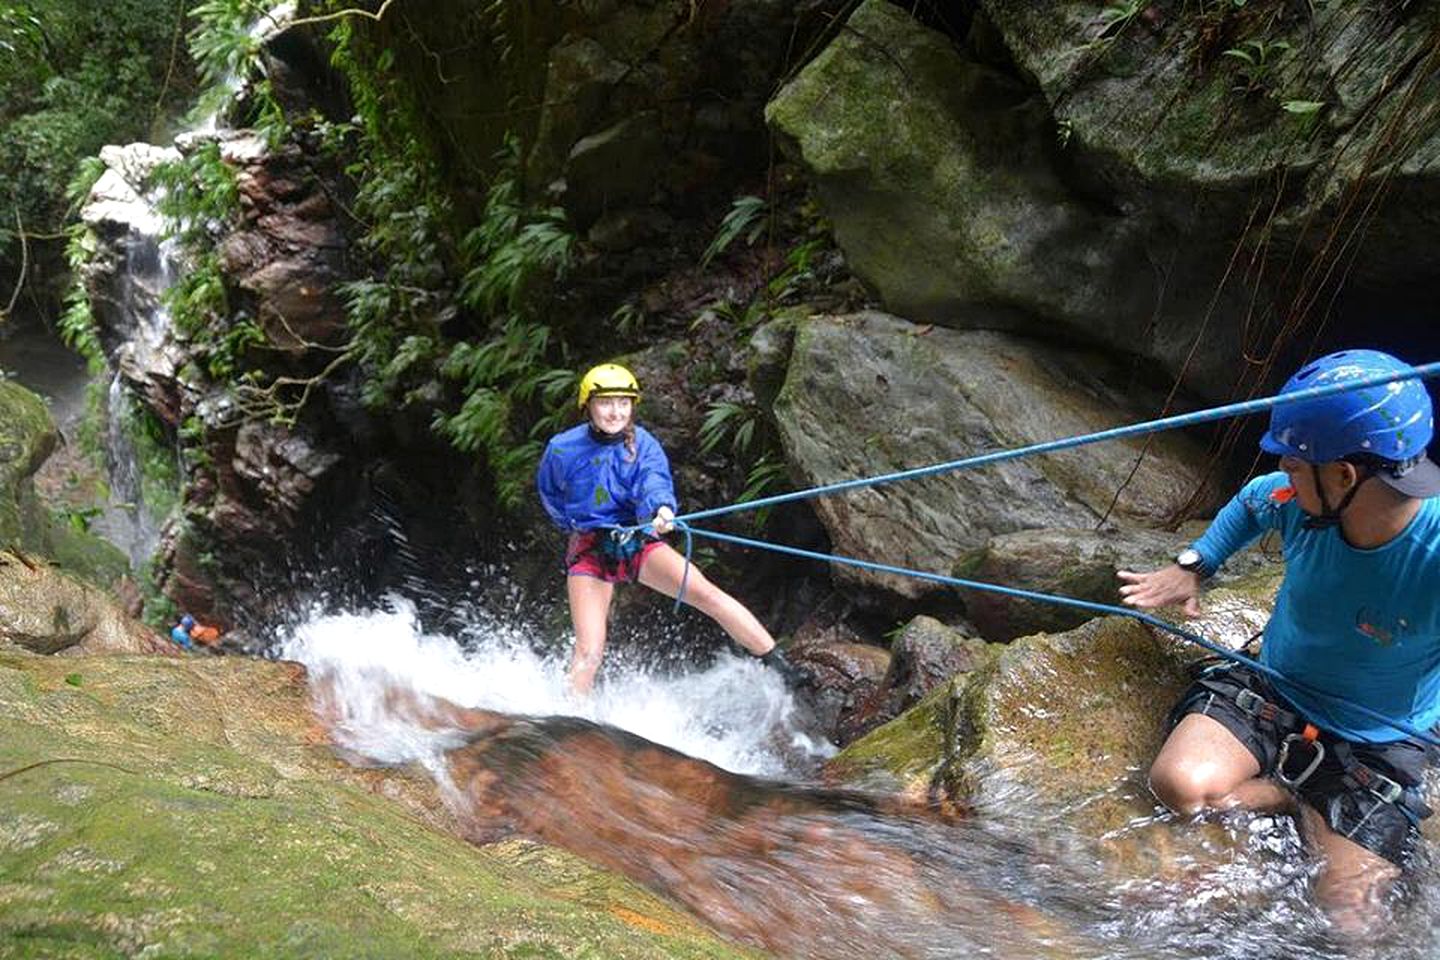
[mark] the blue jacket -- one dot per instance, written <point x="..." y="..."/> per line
<point x="586" y="482"/>
<point x="1360" y="623"/>
<point x="181" y="636"/>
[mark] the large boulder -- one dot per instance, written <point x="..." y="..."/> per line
<point x="868" y="393"/>
<point x="1199" y="146"/>
<point x="924" y="654"/>
<point x="1070" y="563"/>
<point x="1115" y="177"/>
<point x="27" y="436"/>
<point x="165" y="807"/>
<point x="1062" y="723"/>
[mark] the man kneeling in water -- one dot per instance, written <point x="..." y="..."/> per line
<point x="1358" y="617"/>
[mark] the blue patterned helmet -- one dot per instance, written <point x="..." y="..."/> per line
<point x="1390" y="422"/>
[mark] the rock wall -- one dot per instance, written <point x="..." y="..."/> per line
<point x="1126" y="182"/>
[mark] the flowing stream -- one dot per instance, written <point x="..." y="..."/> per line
<point x="702" y="786"/>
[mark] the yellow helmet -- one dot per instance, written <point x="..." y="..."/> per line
<point x="608" y="380"/>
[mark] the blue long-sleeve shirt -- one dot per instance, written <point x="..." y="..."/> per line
<point x="587" y="482"/>
<point x="1363" y="624"/>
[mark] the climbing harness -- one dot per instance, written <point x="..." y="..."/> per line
<point x="684" y="524"/>
<point x="1310" y="736"/>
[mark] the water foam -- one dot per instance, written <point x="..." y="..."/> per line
<point x="734" y="714"/>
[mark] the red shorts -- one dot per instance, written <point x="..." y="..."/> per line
<point x="594" y="553"/>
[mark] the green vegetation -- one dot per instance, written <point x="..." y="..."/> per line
<point x="75" y="76"/>
<point x="1257" y="60"/>
<point x="480" y="352"/>
<point x="746" y="218"/>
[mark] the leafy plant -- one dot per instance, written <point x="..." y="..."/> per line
<point x="1258" y="59"/>
<point x="200" y="195"/>
<point x="797" y="272"/>
<point x="628" y="319"/>
<point x="1117" y="16"/>
<point x="78" y="518"/>
<point x="77" y="323"/>
<point x="730" y="421"/>
<point x="746" y="218"/>
<point x="74" y="77"/>
<point x="768" y="476"/>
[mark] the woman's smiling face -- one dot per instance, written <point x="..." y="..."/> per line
<point x="611" y="414"/>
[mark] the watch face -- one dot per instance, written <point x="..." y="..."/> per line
<point x="1188" y="558"/>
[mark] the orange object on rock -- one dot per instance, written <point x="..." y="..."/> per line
<point x="208" y="636"/>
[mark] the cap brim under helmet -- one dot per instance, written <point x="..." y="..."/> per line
<point x="1420" y="480"/>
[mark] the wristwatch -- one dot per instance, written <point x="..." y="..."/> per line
<point x="1190" y="559"/>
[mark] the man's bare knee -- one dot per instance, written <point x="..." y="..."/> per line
<point x="1178" y="788"/>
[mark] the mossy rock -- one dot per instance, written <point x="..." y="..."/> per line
<point x="27" y="436"/>
<point x="166" y="807"/>
<point x="85" y="555"/>
<point x="1065" y="724"/>
<point x="907" y="755"/>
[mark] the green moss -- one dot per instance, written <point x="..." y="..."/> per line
<point x="904" y="753"/>
<point x="176" y="808"/>
<point x="87" y="556"/>
<point x="26" y="438"/>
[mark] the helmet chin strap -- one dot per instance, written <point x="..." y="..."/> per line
<point x="1331" y="517"/>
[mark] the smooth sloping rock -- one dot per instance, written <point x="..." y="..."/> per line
<point x="196" y="812"/>
<point x="867" y="394"/>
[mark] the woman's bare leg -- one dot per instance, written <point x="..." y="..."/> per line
<point x="662" y="571"/>
<point x="589" y="611"/>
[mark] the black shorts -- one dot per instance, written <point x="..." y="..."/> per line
<point x="1356" y="812"/>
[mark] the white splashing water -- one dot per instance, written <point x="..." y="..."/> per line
<point x="734" y="714"/>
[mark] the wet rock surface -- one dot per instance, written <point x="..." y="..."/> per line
<point x="1073" y="563"/>
<point x="197" y="796"/>
<point x="1065" y="724"/>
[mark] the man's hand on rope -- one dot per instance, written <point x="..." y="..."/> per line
<point x="1162" y="588"/>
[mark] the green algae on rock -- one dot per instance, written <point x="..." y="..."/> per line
<point x="190" y="808"/>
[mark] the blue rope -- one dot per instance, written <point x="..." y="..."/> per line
<point x="1424" y="371"/>
<point x="1105" y="608"/>
<point x="685" y="574"/>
